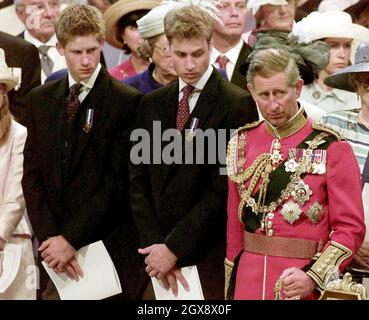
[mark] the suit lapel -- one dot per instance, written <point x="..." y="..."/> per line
<point x="237" y="78"/>
<point x="95" y="100"/>
<point x="56" y="126"/>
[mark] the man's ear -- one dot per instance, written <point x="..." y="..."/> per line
<point x="249" y="86"/>
<point x="60" y="48"/>
<point x="299" y="86"/>
<point x="101" y="42"/>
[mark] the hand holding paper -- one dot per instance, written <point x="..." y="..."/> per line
<point x="193" y="281"/>
<point x="100" y="277"/>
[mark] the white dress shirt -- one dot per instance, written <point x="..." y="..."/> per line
<point x="59" y="61"/>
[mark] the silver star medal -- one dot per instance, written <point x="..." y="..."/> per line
<point x="301" y="192"/>
<point x="291" y="211"/>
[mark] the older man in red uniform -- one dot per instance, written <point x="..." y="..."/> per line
<point x="295" y="216"/>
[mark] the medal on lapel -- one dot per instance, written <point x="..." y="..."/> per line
<point x="193" y="126"/>
<point x="89" y="120"/>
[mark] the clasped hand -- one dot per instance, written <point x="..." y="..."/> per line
<point x="161" y="263"/>
<point x="60" y="256"/>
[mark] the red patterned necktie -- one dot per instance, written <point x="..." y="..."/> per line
<point x="72" y="103"/>
<point x="183" y="108"/>
<point x="222" y="61"/>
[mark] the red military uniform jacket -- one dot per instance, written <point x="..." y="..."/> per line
<point x="320" y="203"/>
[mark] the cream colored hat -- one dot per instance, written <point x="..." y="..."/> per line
<point x="333" y="24"/>
<point x="335" y="5"/>
<point x="117" y="11"/>
<point x="5" y="74"/>
<point x="152" y="24"/>
<point x="254" y="5"/>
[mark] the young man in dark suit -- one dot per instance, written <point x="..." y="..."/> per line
<point x="22" y="58"/>
<point x="76" y="157"/>
<point x="180" y="209"/>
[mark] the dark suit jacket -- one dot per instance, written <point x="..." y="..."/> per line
<point x="238" y="78"/>
<point x="184" y="205"/>
<point x="91" y="201"/>
<point x="21" y="54"/>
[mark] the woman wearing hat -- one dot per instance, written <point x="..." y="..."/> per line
<point x="338" y="31"/>
<point x="272" y="14"/>
<point x="14" y="228"/>
<point x="154" y="49"/>
<point x="354" y="124"/>
<point x="121" y="33"/>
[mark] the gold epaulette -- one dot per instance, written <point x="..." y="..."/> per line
<point x="323" y="127"/>
<point x="248" y="126"/>
<point x="327" y="262"/>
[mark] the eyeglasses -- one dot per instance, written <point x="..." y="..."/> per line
<point x="165" y="51"/>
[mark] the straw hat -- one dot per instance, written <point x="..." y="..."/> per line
<point x="254" y="5"/>
<point x="5" y="74"/>
<point x="340" y="79"/>
<point x="117" y="11"/>
<point x="330" y="24"/>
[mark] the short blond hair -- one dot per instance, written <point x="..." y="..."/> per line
<point x="79" y="21"/>
<point x="268" y="62"/>
<point x="188" y="22"/>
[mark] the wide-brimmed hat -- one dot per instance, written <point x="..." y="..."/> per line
<point x="330" y="24"/>
<point x="254" y="5"/>
<point x="310" y="58"/>
<point x="5" y="74"/>
<point x="357" y="8"/>
<point x="335" y="5"/>
<point x="340" y="79"/>
<point x="152" y="23"/>
<point x="117" y="11"/>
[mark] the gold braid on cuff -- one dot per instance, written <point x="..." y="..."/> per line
<point x="327" y="261"/>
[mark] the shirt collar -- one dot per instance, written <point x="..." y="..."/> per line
<point x="293" y="125"/>
<point x="199" y="85"/>
<point x="339" y="94"/>
<point x="231" y="54"/>
<point x="37" y="43"/>
<point x="86" y="83"/>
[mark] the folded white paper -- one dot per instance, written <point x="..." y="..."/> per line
<point x="100" y="278"/>
<point x="192" y="277"/>
<point x="11" y="259"/>
<point x="366" y="209"/>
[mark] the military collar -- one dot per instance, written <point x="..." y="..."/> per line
<point x="296" y="123"/>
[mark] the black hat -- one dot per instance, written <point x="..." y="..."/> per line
<point x="310" y="58"/>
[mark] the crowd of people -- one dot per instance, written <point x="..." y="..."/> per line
<point x="232" y="135"/>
